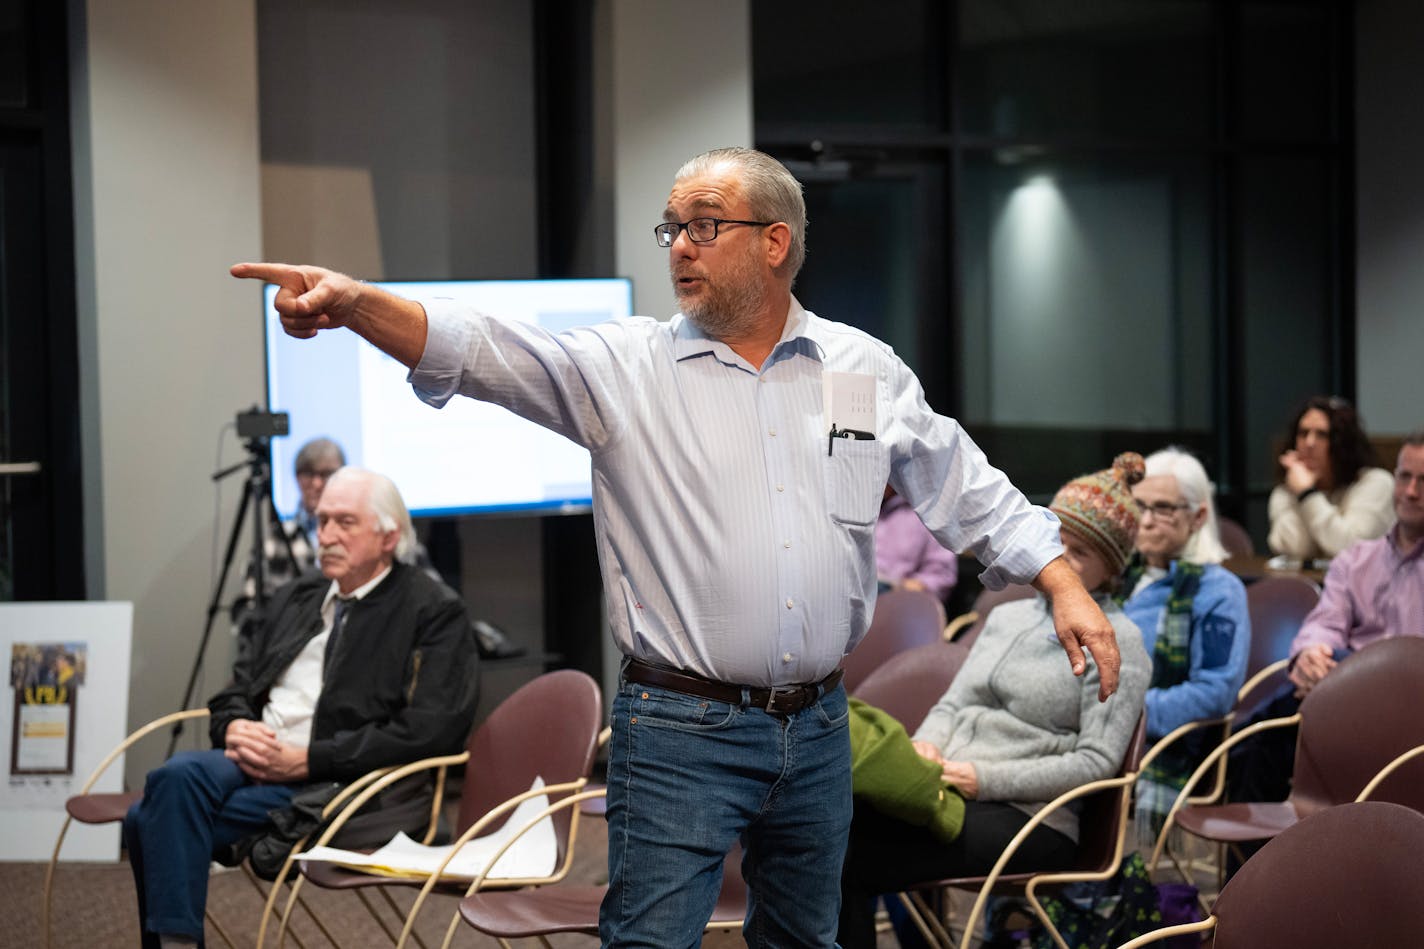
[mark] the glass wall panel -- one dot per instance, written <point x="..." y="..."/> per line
<point x="1117" y="68"/>
<point x="869" y="228"/>
<point x="1085" y="289"/>
<point x="1285" y="300"/>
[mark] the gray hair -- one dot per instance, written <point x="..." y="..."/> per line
<point x="1204" y="546"/>
<point x="315" y="451"/>
<point x="772" y="192"/>
<point x="386" y="504"/>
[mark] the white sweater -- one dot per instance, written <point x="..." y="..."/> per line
<point x="1325" y="523"/>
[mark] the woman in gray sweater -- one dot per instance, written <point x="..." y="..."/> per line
<point x="1016" y="728"/>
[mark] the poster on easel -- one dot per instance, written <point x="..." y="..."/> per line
<point x="67" y="708"/>
<point x="45" y="679"/>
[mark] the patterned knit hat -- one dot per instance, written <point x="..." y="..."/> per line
<point x="1099" y="509"/>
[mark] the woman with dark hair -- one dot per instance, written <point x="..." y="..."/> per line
<point x="1331" y="493"/>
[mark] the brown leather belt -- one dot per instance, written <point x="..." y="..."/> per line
<point x="780" y="700"/>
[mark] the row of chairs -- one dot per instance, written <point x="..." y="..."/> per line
<point x="1359" y="729"/>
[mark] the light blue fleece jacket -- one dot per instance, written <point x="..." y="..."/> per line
<point x="1217" y="652"/>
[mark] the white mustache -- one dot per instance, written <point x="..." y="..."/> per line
<point x="326" y="549"/>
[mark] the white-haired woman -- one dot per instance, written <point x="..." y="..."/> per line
<point x="1192" y="613"/>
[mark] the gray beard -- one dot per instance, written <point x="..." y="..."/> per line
<point x="730" y="309"/>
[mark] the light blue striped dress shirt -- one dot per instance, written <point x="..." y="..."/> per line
<point x="732" y="544"/>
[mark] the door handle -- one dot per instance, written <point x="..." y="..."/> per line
<point x="19" y="467"/>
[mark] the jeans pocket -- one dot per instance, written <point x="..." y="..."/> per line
<point x="665" y="708"/>
<point x="833" y="708"/>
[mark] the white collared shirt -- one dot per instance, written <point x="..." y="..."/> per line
<point x="291" y="704"/>
<point x="732" y="544"/>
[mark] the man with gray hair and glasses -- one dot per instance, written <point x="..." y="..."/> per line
<point x="368" y="664"/>
<point x="740" y="452"/>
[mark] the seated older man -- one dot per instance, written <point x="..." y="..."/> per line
<point x="368" y="664"/>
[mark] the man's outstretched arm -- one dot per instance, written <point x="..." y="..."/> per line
<point x="312" y="299"/>
<point x="1080" y="624"/>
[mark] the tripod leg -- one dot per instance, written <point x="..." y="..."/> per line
<point x="214" y="605"/>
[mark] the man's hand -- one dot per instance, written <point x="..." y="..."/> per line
<point x="310" y="299"/>
<point x="254" y="747"/>
<point x="911" y="583"/>
<point x="1080" y="624"/>
<point x="1312" y="665"/>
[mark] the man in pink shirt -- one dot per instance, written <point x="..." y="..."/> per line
<point x="1374" y="590"/>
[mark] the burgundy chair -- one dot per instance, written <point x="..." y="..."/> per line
<point x="1345" y="876"/>
<point x="966" y="627"/>
<point x="1234" y="538"/>
<point x="547" y="729"/>
<point x="550" y="910"/>
<point x="1359" y="718"/>
<point x="903" y="619"/>
<point x="908" y="685"/>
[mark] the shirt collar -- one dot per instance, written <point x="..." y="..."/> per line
<point x="801" y="333"/>
<point x="1413" y="553"/>
<point x="333" y="591"/>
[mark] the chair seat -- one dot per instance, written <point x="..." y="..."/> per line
<point x="570" y="909"/>
<point x="101" y="808"/>
<point x="594" y="806"/>
<point x="1238" y="822"/>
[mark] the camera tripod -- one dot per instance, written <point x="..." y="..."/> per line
<point x="257" y="498"/>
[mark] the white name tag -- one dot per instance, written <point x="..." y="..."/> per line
<point x="849" y="401"/>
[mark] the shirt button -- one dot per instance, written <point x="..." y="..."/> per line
<point x="781" y="487"/>
<point x="789" y="604"/>
<point x="786" y="544"/>
<point x="771" y="432"/>
<point x="786" y="657"/>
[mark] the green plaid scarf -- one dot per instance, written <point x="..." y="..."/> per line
<point x="1171" y="662"/>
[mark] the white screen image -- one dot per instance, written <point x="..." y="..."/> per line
<point x="467" y="458"/>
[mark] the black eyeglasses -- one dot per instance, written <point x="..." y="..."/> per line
<point x="699" y="230"/>
<point x="1163" y="510"/>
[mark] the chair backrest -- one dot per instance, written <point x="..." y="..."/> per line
<point x="1234" y="538"/>
<point x="1102" y="822"/>
<point x="909" y="684"/>
<point x="903" y="619"/>
<point x="984" y="604"/>
<point x="1347" y="876"/>
<point x="1277" y="606"/>
<point x="548" y="728"/>
<point x="1358" y="719"/>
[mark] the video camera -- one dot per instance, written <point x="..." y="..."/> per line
<point x="255" y="423"/>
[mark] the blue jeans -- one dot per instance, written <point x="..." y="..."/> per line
<point x="192" y="805"/>
<point x="688" y="777"/>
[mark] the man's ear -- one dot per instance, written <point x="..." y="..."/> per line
<point x="390" y="540"/>
<point x="778" y="244"/>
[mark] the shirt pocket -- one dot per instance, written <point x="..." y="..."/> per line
<point x="855" y="472"/>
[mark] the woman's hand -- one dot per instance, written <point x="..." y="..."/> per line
<point x="928" y="751"/>
<point x="1298" y="475"/>
<point x="961" y="774"/>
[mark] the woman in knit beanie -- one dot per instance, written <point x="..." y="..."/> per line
<point x="1016" y="728"/>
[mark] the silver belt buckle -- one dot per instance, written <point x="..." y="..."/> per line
<point x="775" y="690"/>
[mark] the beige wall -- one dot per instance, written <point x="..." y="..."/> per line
<point x="167" y="196"/>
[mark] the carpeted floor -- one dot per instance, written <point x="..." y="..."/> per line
<point x="94" y="908"/>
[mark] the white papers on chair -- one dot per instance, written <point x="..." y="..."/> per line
<point x="532" y="856"/>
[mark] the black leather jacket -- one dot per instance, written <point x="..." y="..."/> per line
<point x="401" y="686"/>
